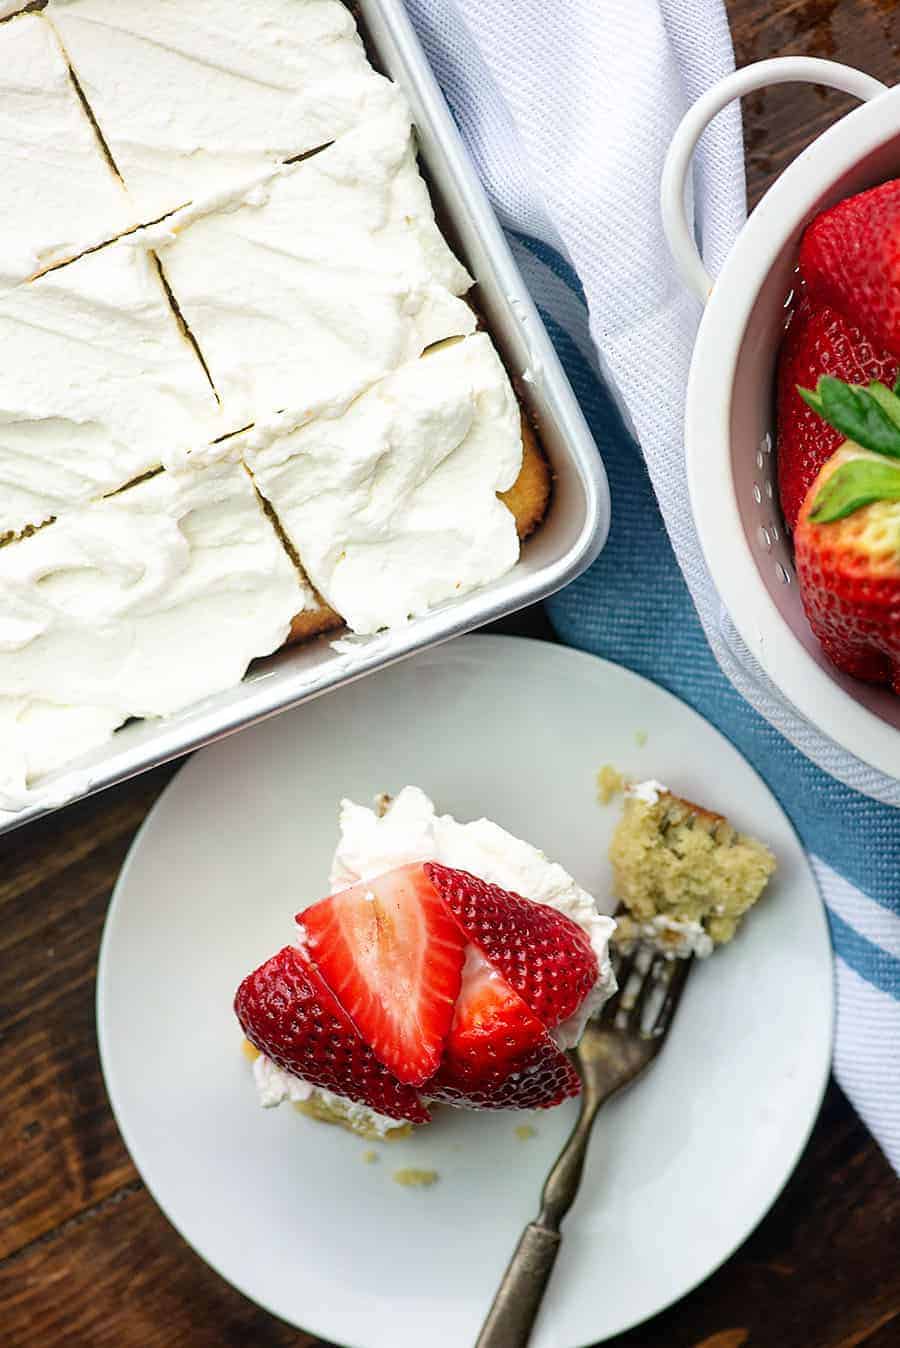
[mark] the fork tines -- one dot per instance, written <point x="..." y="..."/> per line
<point x="650" y="985"/>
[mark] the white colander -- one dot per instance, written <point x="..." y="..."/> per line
<point x="729" y="419"/>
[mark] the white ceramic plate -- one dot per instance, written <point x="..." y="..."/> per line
<point x="682" y="1167"/>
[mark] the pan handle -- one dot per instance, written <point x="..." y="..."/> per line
<point x="780" y="70"/>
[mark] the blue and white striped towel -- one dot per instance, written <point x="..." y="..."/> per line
<point x="568" y="110"/>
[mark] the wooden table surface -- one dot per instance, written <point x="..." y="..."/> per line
<point x="87" y="1259"/>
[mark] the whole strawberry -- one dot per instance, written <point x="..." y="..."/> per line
<point x="847" y="540"/>
<point x="850" y="260"/>
<point x="818" y="341"/>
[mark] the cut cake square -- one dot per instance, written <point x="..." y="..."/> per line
<point x="97" y="382"/>
<point x="194" y="97"/>
<point x="60" y="194"/>
<point x="330" y="274"/>
<point x="137" y="605"/>
<point x="392" y="507"/>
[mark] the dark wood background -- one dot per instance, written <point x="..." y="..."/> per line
<point x="86" y="1258"/>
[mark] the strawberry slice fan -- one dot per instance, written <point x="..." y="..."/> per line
<point x="426" y="983"/>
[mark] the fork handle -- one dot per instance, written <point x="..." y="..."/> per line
<point x="511" y="1318"/>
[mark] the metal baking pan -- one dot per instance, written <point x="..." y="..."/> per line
<point x="566" y="543"/>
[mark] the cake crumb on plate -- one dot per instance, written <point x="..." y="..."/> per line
<point x="525" y="1131"/>
<point x="412" y="1178"/>
<point x="610" y="783"/>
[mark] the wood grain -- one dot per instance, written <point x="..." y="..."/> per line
<point x="60" y="1151"/>
<point x="779" y="122"/>
<point x="86" y="1258"/>
<point x="117" y="1274"/>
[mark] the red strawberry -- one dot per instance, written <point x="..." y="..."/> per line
<point x="393" y="956"/>
<point x="848" y="570"/>
<point x="287" y="1011"/>
<point x="543" y="955"/>
<point x="850" y="259"/>
<point x="817" y="341"/>
<point x="498" y="1054"/>
<point x="847" y="542"/>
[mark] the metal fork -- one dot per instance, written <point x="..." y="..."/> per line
<point x="618" y="1044"/>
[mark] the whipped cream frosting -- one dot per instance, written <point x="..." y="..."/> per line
<point x="191" y="96"/>
<point x="38" y="737"/>
<point x="411" y="830"/>
<point x="96" y="381"/>
<point x="135" y="606"/>
<point x="274" y="1087"/>
<point x="59" y="192"/>
<point x="324" y="278"/>
<point x="648" y="792"/>
<point x="676" y="936"/>
<point x="392" y="507"/>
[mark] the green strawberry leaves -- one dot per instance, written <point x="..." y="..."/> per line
<point x="855" y="484"/>
<point x="870" y="417"/>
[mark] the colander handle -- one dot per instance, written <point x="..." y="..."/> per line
<point x="780" y="70"/>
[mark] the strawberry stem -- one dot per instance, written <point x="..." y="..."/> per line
<point x="858" y="483"/>
<point x="868" y="416"/>
<point x="887" y="400"/>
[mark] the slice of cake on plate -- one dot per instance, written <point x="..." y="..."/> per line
<point x="685" y="876"/>
<point x="453" y="963"/>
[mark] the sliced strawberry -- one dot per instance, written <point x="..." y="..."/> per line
<point x="542" y="1078"/>
<point x="498" y="1054"/>
<point x="850" y="259"/>
<point x="287" y="1011"/>
<point x="491" y="1023"/>
<point x="543" y="955"/>
<point x="818" y="341"/>
<point x="393" y="956"/>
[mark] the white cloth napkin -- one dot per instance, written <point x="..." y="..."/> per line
<point x="568" y="110"/>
